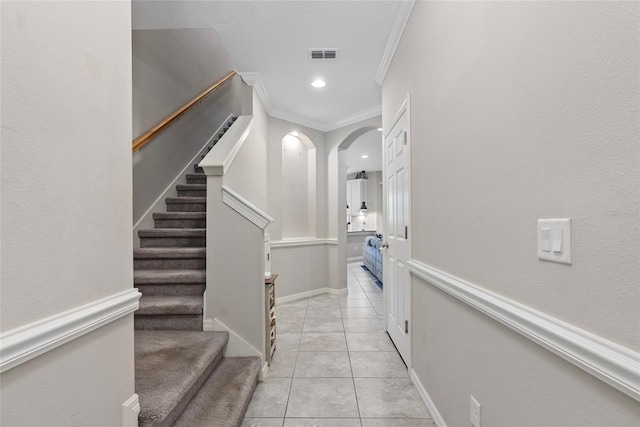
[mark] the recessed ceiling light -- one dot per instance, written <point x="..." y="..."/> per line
<point x="380" y="129"/>
<point x="364" y="156"/>
<point x="318" y="83"/>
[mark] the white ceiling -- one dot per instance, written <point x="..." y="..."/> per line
<point x="370" y="144"/>
<point x="272" y="38"/>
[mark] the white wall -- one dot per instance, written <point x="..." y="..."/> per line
<point x="171" y="67"/>
<point x="247" y="175"/>
<point x="296" y="191"/>
<point x="66" y="189"/>
<point x="277" y="130"/>
<point x="522" y="111"/>
<point x="300" y="269"/>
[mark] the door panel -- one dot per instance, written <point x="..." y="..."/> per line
<point x="398" y="252"/>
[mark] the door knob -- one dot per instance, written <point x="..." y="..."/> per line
<point x="385" y="245"/>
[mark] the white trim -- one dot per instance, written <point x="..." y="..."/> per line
<point x="354" y="259"/>
<point x="170" y="191"/>
<point x="428" y="402"/>
<point x="369" y="113"/>
<point x="612" y="363"/>
<point x="222" y="154"/>
<point x="236" y="346"/>
<point x="306" y="241"/>
<point x="313" y="293"/>
<point x="130" y="411"/>
<point x="399" y="24"/>
<point x="26" y="342"/>
<point x="289" y="116"/>
<point x="405" y="108"/>
<point x="245" y="208"/>
<point x="263" y="372"/>
<point x="254" y="79"/>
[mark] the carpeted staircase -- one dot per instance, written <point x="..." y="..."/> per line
<point x="181" y="377"/>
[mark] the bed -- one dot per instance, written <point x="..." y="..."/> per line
<point x="372" y="256"/>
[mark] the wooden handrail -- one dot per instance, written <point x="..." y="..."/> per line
<point x="146" y="137"/>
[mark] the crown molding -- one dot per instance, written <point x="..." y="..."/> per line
<point x="369" y="113"/>
<point x="253" y="79"/>
<point x="399" y="24"/>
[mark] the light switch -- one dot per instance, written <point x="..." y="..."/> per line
<point x="554" y="240"/>
<point x="545" y="236"/>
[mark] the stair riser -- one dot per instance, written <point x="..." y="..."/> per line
<point x="170" y="264"/>
<point x="198" y="169"/>
<point x="172" y="242"/>
<point x="184" y="402"/>
<point x="192" y="193"/>
<point x="180" y="223"/>
<point x="172" y="290"/>
<point x="168" y="322"/>
<point x="198" y="180"/>
<point x="186" y="207"/>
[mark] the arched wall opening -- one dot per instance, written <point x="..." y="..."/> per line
<point x="298" y="182"/>
<point x="338" y="189"/>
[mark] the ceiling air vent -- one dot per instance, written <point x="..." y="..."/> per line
<point x="323" y="54"/>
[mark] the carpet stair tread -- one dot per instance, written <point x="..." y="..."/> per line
<point x="180" y="215"/>
<point x="170" y="368"/>
<point x="173" y="232"/>
<point x="191" y="187"/>
<point x="163" y="305"/>
<point x="185" y="200"/>
<point x="169" y="276"/>
<point x="223" y="399"/>
<point x="169" y="253"/>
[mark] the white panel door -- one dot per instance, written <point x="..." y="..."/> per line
<point x="398" y="245"/>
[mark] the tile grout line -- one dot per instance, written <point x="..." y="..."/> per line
<point x="286" y="406"/>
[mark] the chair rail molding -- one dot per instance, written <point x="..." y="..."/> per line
<point x="303" y="241"/>
<point x="26" y="342"/>
<point x="612" y="363"/>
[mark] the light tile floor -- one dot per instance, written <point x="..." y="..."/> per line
<point x="334" y="366"/>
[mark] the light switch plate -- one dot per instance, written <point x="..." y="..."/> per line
<point x="554" y="240"/>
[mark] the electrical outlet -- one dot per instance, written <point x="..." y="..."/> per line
<point x="475" y="412"/>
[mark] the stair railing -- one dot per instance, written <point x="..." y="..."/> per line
<point x="156" y="130"/>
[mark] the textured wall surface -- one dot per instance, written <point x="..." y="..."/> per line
<point x="66" y="157"/>
<point x="66" y="193"/>
<point x="530" y="112"/>
<point x="521" y="111"/>
<point x="171" y="67"/>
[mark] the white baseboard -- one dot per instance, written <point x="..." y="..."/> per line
<point x="610" y="362"/>
<point x="26" y="342"/>
<point x="130" y="411"/>
<point x="237" y="346"/>
<point x="264" y="371"/>
<point x="437" y="418"/>
<point x="146" y="220"/>
<point x="313" y="293"/>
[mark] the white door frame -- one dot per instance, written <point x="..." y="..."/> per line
<point x="404" y="107"/>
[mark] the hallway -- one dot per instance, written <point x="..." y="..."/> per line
<point x="335" y="366"/>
